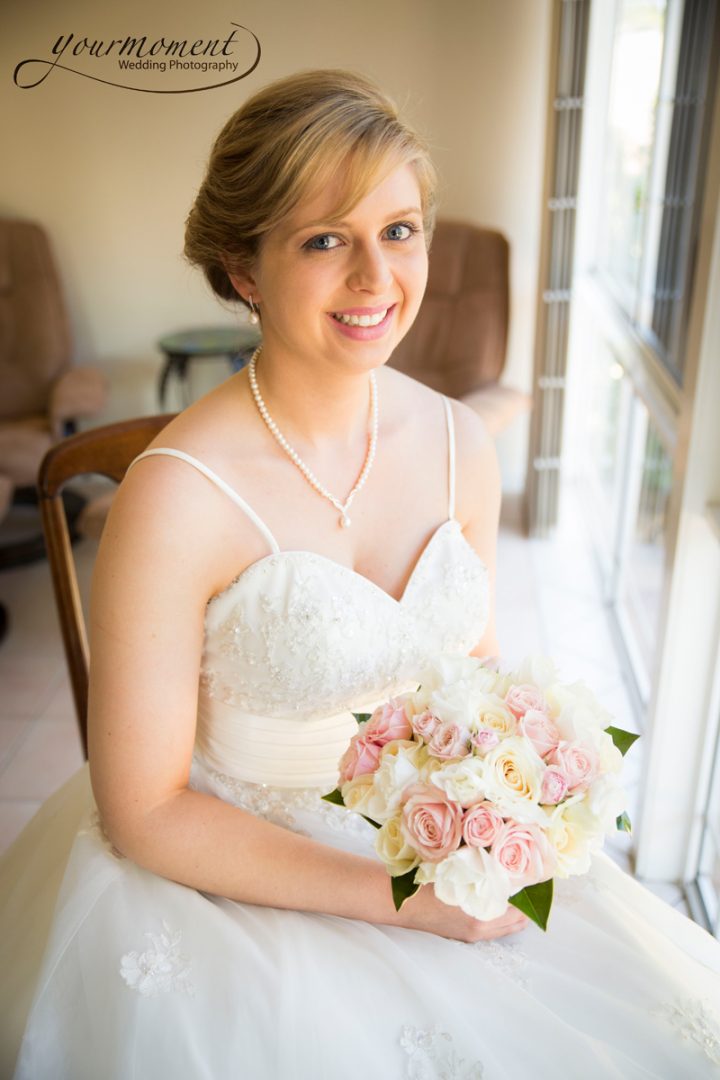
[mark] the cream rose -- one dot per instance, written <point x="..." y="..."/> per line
<point x="394" y="850"/>
<point x="513" y="779"/>
<point x="493" y="714"/>
<point x="574" y="835"/>
<point x="361" y="796"/>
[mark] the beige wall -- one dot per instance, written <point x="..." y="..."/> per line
<point x="112" y="173"/>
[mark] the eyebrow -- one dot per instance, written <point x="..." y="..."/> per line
<point x="331" y="223"/>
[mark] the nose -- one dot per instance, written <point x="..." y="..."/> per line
<point x="370" y="270"/>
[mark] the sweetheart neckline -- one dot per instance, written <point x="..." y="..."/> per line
<point x="348" y="569"/>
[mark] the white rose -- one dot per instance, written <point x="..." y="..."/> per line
<point x="456" y="702"/>
<point x="582" y="707"/>
<point x="471" y="879"/>
<point x="461" y="781"/>
<point x="393" y="849"/>
<point x="536" y="669"/>
<point x="605" y="801"/>
<point x="400" y="764"/>
<point x="451" y="687"/>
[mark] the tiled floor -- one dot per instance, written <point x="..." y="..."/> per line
<point x="547" y="601"/>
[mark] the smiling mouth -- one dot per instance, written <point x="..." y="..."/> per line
<point x="361" y="320"/>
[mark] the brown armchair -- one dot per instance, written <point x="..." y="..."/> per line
<point x="40" y="393"/>
<point x="458" y="342"/>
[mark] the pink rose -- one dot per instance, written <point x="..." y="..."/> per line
<point x="523" y="697"/>
<point x="540" y="730"/>
<point x="431" y="823"/>
<point x="360" y="757"/>
<point x="554" y="786"/>
<point x="387" y="723"/>
<point x="481" y="824"/>
<point x="425" y="724"/>
<point x="580" y="764"/>
<point x="449" y="740"/>
<point x="484" y="740"/>
<point x="524" y="852"/>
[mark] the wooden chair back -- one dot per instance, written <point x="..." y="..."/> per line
<point x="105" y="451"/>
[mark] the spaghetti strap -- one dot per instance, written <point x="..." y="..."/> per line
<point x="220" y="483"/>
<point x="451" y="457"/>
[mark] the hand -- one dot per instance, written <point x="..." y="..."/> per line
<point x="424" y="911"/>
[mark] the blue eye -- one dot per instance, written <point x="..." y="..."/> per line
<point x="405" y="229"/>
<point x="323" y="242"/>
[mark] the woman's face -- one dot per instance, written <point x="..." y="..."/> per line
<point x="344" y="290"/>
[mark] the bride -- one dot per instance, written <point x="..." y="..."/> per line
<point x="296" y="545"/>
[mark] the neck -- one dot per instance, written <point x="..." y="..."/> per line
<point x="316" y="405"/>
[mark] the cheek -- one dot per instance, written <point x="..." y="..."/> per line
<point x="413" y="276"/>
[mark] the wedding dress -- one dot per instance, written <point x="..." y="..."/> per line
<point x="143" y="977"/>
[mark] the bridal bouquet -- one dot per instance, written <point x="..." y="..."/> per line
<point x="487" y="784"/>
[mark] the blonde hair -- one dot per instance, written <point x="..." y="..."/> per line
<point x="285" y="143"/>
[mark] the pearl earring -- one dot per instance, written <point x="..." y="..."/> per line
<point x="254" y="317"/>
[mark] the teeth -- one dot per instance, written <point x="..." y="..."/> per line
<point x="362" y="320"/>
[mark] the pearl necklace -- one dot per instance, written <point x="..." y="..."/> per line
<point x="343" y="508"/>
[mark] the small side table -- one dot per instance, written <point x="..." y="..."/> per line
<point x="236" y="343"/>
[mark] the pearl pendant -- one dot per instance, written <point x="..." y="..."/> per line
<point x="345" y="521"/>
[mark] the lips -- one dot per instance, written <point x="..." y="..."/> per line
<point x="363" y="324"/>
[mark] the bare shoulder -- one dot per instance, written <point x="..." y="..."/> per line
<point x="168" y="514"/>
<point x="478" y="472"/>
<point x="208" y="427"/>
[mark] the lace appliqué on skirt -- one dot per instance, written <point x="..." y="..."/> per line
<point x="161" y="968"/>
<point x="696" y="1023"/>
<point x="432" y="1056"/>
<point x="508" y="959"/>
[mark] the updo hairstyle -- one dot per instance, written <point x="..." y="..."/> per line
<point x="285" y="144"/>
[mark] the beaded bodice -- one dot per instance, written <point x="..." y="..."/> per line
<point x="298" y="641"/>
<point x="298" y="635"/>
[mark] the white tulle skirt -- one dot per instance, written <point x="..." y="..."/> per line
<point x="137" y="976"/>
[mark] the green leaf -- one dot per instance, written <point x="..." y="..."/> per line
<point x="622" y="739"/>
<point x="335" y="797"/>
<point x="362" y="717"/>
<point x="623" y="822"/>
<point x="535" y="901"/>
<point x="370" y="821"/>
<point x="403" y="887"/>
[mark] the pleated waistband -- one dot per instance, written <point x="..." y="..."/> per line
<point x="281" y="752"/>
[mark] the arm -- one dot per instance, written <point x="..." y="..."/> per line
<point x="479" y="497"/>
<point x="147" y="609"/>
